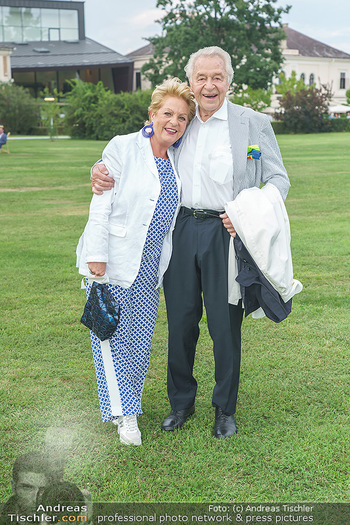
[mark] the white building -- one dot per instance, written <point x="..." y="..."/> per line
<point x="312" y="60"/>
<point x="140" y="57"/>
<point x="5" y="63"/>
<point x="317" y="63"/>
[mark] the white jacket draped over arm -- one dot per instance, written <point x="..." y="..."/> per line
<point x="260" y="218"/>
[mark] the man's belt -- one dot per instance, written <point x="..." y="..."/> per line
<point x="201" y="214"/>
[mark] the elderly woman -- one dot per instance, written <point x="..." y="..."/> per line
<point x="127" y="243"/>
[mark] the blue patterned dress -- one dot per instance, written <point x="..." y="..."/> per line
<point x="121" y="362"/>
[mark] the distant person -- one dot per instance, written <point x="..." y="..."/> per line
<point x="128" y="242"/>
<point x="3" y="138"/>
<point x="31" y="474"/>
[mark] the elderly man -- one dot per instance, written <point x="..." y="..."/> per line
<point x="213" y="167"/>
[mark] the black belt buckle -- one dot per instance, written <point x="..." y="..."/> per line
<point x="199" y="214"/>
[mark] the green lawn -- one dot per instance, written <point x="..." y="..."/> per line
<point x="293" y="410"/>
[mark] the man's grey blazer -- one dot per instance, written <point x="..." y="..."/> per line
<point x="247" y="128"/>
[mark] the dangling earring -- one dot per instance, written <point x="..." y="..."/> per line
<point x="177" y="143"/>
<point x="148" y="131"/>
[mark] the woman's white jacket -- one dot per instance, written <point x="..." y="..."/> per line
<point x="119" y="219"/>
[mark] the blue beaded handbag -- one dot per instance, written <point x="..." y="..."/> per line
<point x="101" y="312"/>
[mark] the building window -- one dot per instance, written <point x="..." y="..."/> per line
<point x="25" y="24"/>
<point x="302" y="77"/>
<point x="138" y="80"/>
<point x="281" y="77"/>
<point x="342" y="81"/>
<point x="311" y="79"/>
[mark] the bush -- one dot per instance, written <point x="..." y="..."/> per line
<point x="20" y="112"/>
<point x="339" y="124"/>
<point x="123" y="113"/>
<point x="304" y="111"/>
<point x="257" y="99"/>
<point x="43" y="131"/>
<point x="336" y="125"/>
<point x="82" y="106"/>
<point x="279" y="127"/>
<point x="347" y="93"/>
<point x="94" y="112"/>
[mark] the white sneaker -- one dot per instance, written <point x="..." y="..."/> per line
<point x="128" y="431"/>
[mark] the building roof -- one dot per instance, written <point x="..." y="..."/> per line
<point x="64" y="55"/>
<point x="306" y="46"/>
<point x="145" y="50"/>
<point x="310" y="47"/>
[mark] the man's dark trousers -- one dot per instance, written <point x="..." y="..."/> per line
<point x="199" y="265"/>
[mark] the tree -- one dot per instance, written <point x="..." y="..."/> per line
<point x="290" y="84"/>
<point x="83" y="101"/>
<point x="51" y="111"/>
<point x="306" y="110"/>
<point x="122" y="113"/>
<point x="257" y="99"/>
<point x="94" y="112"/>
<point x="20" y="112"/>
<point x="348" y="96"/>
<point x="249" y="30"/>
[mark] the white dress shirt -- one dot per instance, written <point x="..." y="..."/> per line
<point x="205" y="163"/>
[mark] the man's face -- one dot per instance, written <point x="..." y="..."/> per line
<point x="27" y="488"/>
<point x="209" y="84"/>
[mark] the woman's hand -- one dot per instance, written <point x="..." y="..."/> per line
<point x="98" y="269"/>
<point x="228" y="224"/>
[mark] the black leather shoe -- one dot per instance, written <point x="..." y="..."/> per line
<point x="225" y="425"/>
<point x="176" y="419"/>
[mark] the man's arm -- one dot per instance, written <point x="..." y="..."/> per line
<point x="100" y="181"/>
<point x="273" y="169"/>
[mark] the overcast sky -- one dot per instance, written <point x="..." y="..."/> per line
<point x="122" y="24"/>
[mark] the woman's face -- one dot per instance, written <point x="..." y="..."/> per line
<point x="170" y="121"/>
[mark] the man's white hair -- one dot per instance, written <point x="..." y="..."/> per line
<point x="210" y="51"/>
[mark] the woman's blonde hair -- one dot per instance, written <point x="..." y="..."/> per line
<point x="173" y="87"/>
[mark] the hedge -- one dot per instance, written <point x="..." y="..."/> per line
<point x="334" y="125"/>
<point x="339" y="124"/>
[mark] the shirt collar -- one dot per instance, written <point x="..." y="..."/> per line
<point x="220" y="114"/>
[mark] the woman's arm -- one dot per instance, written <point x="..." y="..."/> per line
<point x="97" y="229"/>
